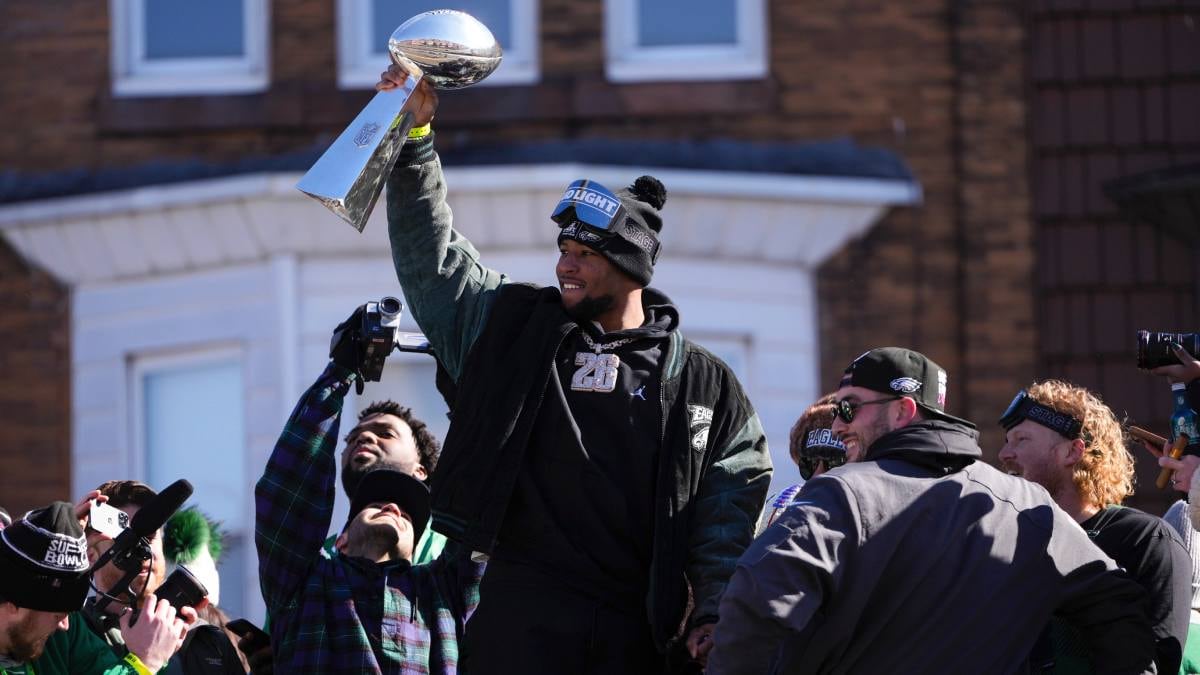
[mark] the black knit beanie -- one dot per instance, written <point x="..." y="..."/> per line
<point x="635" y="250"/>
<point x="43" y="560"/>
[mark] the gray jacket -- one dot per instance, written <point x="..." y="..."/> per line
<point x="921" y="560"/>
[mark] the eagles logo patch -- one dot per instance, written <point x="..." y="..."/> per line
<point x="905" y="385"/>
<point x="699" y="420"/>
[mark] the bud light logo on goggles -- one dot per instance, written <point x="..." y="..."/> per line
<point x="591" y="205"/>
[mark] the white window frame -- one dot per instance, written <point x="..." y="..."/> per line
<point x="141" y="365"/>
<point x="134" y="75"/>
<point x="626" y="61"/>
<point x="359" y="67"/>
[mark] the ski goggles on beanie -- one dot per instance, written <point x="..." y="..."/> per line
<point x="1023" y="407"/>
<point x="592" y="214"/>
<point x="589" y="206"/>
<point x="820" y="447"/>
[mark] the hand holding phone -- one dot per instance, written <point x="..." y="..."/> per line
<point x="253" y="637"/>
<point x="107" y="520"/>
<point x="1147" y="436"/>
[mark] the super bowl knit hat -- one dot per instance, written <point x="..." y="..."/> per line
<point x="43" y="560"/>
<point x="634" y="252"/>
<point x="903" y="372"/>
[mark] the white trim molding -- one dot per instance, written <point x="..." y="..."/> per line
<point x="781" y="219"/>
<point x="135" y="75"/>
<point x="250" y="264"/>
<point x="359" y="64"/>
<point x="626" y="60"/>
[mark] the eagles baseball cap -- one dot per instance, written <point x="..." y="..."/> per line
<point x="396" y="487"/>
<point x="903" y="372"/>
<point x="43" y="560"/>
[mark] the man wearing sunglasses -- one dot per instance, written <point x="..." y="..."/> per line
<point x="610" y="469"/>
<point x="1067" y="440"/>
<point x="917" y="557"/>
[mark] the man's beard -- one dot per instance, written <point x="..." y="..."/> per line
<point x="20" y="648"/>
<point x="372" y="539"/>
<point x="589" y="308"/>
<point x="352" y="473"/>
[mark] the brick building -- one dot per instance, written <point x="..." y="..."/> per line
<point x="843" y="175"/>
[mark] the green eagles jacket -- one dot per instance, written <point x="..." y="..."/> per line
<point x="715" y="466"/>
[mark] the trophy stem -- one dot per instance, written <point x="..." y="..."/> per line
<point x="349" y="176"/>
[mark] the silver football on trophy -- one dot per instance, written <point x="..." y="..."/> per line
<point x="447" y="47"/>
<point x="452" y="48"/>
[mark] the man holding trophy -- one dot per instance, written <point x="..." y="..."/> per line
<point x="609" y="468"/>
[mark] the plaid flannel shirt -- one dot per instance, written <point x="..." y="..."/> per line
<point x="337" y="614"/>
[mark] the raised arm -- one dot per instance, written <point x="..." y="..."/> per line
<point x="294" y="498"/>
<point x="448" y="291"/>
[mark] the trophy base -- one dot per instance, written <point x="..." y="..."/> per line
<point x="349" y="176"/>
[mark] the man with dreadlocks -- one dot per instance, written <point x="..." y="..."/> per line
<point x="1067" y="440"/>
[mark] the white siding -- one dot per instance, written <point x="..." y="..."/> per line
<point x="250" y="265"/>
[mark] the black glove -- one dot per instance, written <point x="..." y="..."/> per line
<point x="345" y="347"/>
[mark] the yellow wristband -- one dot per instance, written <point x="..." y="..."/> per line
<point x="133" y="660"/>
<point x="420" y="132"/>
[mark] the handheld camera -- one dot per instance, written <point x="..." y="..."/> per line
<point x="181" y="589"/>
<point x="381" y="334"/>
<point x="1154" y="348"/>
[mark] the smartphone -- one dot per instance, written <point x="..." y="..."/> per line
<point x="256" y="637"/>
<point x="1148" y="436"/>
<point x="107" y="520"/>
<point x="181" y="589"/>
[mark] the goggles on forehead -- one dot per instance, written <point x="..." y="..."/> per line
<point x="590" y="205"/>
<point x="1025" y="408"/>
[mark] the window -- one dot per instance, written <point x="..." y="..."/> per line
<point x="189" y="421"/>
<point x="174" y="47"/>
<point x="734" y="350"/>
<point x="364" y="27"/>
<point x="674" y="40"/>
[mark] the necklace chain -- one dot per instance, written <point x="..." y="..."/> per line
<point x="609" y="345"/>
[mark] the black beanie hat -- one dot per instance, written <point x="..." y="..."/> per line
<point x="635" y="250"/>
<point x="43" y="560"/>
<point x="397" y="487"/>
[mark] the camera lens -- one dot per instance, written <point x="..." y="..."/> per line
<point x="1154" y="347"/>
<point x="389" y="307"/>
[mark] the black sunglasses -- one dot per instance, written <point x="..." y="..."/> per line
<point x="845" y="409"/>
